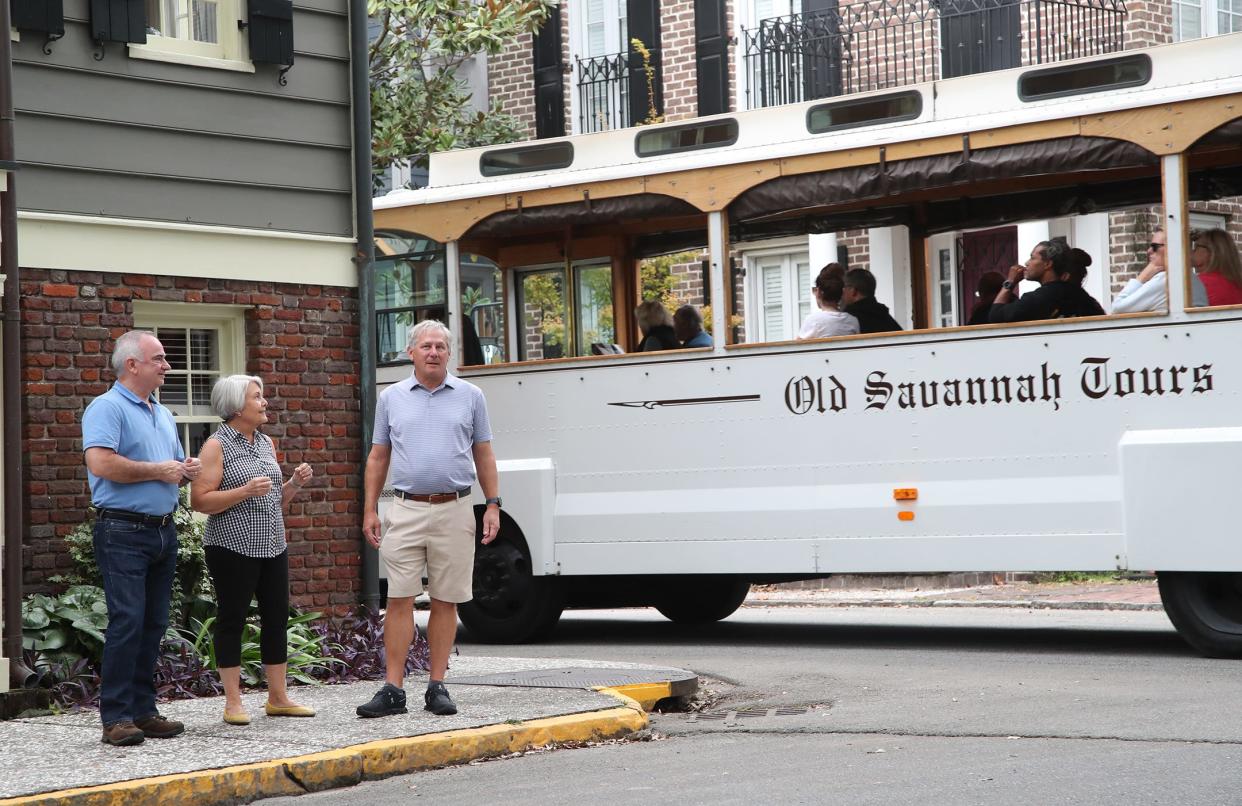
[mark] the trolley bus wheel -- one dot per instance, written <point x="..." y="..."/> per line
<point x="1206" y="609"/>
<point x="510" y="605"/>
<point x="700" y="600"/>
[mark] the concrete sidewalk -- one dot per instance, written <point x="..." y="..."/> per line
<point x="1111" y="595"/>
<point x="60" y="759"/>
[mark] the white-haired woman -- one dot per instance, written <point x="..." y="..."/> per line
<point x="657" y="327"/>
<point x="243" y="492"/>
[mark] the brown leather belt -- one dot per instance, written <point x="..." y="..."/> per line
<point x="432" y="498"/>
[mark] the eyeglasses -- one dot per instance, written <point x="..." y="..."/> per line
<point x="1194" y="246"/>
<point x="1155" y="247"/>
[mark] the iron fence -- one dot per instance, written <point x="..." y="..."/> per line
<point x="603" y="93"/>
<point x="879" y="44"/>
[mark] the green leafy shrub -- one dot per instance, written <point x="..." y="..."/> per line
<point x="192" y="582"/>
<point x="66" y="628"/>
<point x="309" y="656"/>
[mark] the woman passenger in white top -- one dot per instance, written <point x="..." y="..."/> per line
<point x="829" y="320"/>
<point x="1149" y="291"/>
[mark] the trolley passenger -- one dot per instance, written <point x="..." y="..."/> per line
<point x="1149" y="291"/>
<point x="1222" y="268"/>
<point x="1058" y="296"/>
<point x="656" y="326"/>
<point x="829" y="320"/>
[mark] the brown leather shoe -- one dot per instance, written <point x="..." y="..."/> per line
<point x="122" y="734"/>
<point x="157" y="727"/>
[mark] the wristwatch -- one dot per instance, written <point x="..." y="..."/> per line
<point x="495" y="501"/>
<point x="1007" y="285"/>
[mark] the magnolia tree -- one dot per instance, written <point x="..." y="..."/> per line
<point x="419" y="102"/>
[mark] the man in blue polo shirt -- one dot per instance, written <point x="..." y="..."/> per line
<point x="134" y="462"/>
<point x="433" y="431"/>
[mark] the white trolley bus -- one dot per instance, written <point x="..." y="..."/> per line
<point x="676" y="479"/>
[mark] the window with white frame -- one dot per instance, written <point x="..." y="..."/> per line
<point x="779" y="294"/>
<point x="203" y="343"/>
<point x="766" y="9"/>
<point x="599" y="42"/>
<point x="1196" y="18"/>
<point x="603" y="27"/>
<point x="203" y="32"/>
<point x="1205" y="221"/>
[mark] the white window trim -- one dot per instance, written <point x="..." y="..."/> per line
<point x="231" y="53"/>
<point x="229" y="320"/>
<point x="753" y="290"/>
<point x="1209" y="19"/>
<point x="1202" y="220"/>
<point x="577" y="47"/>
<point x="158" y="53"/>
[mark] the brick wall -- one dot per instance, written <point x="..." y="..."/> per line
<point x="859" y="245"/>
<point x="1148" y="23"/>
<point x="1129" y="232"/>
<point x="511" y="80"/>
<point x="681" y="98"/>
<point x="301" y="339"/>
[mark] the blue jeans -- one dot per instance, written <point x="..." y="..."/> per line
<point x="138" y="563"/>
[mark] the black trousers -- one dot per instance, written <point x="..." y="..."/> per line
<point x="238" y="578"/>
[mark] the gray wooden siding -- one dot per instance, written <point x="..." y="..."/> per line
<point x="132" y="138"/>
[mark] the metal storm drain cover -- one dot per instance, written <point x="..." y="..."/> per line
<point x="681" y="681"/>
<point x="734" y="717"/>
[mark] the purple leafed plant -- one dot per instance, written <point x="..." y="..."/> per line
<point x="182" y="674"/>
<point x="357" y="642"/>
<point x="74" y="684"/>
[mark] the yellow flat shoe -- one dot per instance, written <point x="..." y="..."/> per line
<point x="242" y="718"/>
<point x="289" y="710"/>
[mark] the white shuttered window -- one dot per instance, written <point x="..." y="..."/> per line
<point x="782" y="286"/>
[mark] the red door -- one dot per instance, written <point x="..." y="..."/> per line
<point x="979" y="253"/>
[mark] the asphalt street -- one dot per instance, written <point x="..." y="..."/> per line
<point x="888" y="705"/>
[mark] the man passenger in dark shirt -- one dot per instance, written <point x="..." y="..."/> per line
<point x="1060" y="293"/>
<point x="858" y="299"/>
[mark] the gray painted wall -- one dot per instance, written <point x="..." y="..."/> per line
<point x="131" y="138"/>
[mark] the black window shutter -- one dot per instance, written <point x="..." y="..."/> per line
<point x="643" y="23"/>
<point x="549" y="77"/>
<point x="711" y="56"/>
<point x="46" y="16"/>
<point x="119" y="21"/>
<point x="821" y="27"/>
<point x="270" y="29"/>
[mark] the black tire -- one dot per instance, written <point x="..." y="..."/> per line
<point x="510" y="605"/>
<point x="1206" y="609"/>
<point x="702" y="600"/>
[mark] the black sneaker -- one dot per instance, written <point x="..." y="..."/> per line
<point x="438" y="700"/>
<point x="387" y="701"/>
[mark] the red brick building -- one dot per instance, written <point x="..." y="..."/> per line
<point x="301" y="339"/>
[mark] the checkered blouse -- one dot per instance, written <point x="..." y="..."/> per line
<point x="254" y="527"/>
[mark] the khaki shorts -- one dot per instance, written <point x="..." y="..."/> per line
<point x="432" y="540"/>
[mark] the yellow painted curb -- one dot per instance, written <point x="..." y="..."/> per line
<point x="348" y="766"/>
<point x="646" y="695"/>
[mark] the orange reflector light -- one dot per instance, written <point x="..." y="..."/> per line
<point x="905" y="516"/>
<point x="906" y="494"/>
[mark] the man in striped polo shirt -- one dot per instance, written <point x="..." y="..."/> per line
<point x="433" y="433"/>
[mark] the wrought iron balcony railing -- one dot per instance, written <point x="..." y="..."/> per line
<point x="603" y="93"/>
<point x="878" y="44"/>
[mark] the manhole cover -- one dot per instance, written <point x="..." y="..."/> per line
<point x="682" y="683"/>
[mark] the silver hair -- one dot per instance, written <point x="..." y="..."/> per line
<point x="128" y="345"/>
<point x="228" y="396"/>
<point x="419" y="330"/>
<point x="651" y="313"/>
